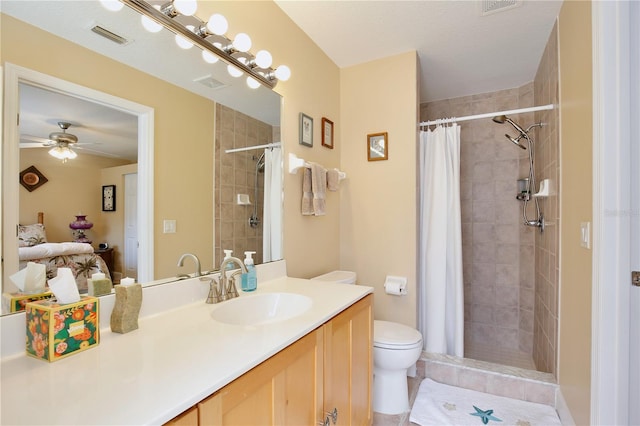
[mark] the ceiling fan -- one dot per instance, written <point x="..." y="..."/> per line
<point x="62" y="144"/>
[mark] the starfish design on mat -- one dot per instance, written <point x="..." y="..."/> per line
<point x="449" y="406"/>
<point x="485" y="416"/>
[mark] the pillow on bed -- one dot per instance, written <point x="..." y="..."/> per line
<point x="31" y="235"/>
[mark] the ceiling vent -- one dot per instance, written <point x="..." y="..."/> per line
<point x="109" y="35"/>
<point x="490" y="7"/>
<point x="210" y="82"/>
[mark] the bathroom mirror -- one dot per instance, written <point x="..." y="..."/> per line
<point x="158" y="57"/>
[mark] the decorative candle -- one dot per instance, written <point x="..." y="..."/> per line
<point x="98" y="276"/>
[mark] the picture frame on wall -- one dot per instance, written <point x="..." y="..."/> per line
<point x="327" y="133"/>
<point x="378" y="146"/>
<point x="306" y="130"/>
<point x="32" y="179"/>
<point x="108" y="198"/>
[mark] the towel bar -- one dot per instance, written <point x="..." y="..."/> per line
<point x="296" y="163"/>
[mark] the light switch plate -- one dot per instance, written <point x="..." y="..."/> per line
<point x="585" y="234"/>
<point x="169" y="226"/>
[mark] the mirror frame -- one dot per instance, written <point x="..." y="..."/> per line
<point x="9" y="211"/>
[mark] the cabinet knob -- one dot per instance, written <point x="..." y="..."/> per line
<point x="333" y="415"/>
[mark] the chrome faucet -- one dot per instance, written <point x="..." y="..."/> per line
<point x="195" y="259"/>
<point x="228" y="288"/>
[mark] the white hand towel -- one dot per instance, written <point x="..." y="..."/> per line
<point x="333" y="180"/>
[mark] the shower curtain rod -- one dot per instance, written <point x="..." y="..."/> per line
<point x="249" y="148"/>
<point x="487" y="115"/>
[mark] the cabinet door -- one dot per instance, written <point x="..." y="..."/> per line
<point x="349" y="364"/>
<point x="188" y="418"/>
<point x="286" y="389"/>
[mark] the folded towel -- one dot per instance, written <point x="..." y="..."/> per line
<point x="318" y="187"/>
<point x="307" y="195"/>
<point x="333" y="180"/>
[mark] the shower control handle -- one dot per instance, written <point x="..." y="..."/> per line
<point x="635" y="278"/>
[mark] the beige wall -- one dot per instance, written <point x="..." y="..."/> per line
<point x="576" y="100"/>
<point x="65" y="194"/>
<point x="32" y="48"/>
<point x="378" y="200"/>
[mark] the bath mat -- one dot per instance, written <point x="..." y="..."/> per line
<point x="439" y="404"/>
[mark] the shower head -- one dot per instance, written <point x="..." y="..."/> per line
<point x="501" y="119"/>
<point x="260" y="164"/>
<point x="516" y="141"/>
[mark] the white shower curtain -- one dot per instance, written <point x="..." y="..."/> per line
<point x="272" y="223"/>
<point x="440" y="285"/>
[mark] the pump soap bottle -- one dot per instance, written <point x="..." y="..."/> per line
<point x="249" y="279"/>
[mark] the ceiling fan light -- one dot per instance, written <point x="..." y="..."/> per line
<point x="217" y="24"/>
<point x="62" y="153"/>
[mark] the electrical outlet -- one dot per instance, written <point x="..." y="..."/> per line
<point x="585" y="234"/>
<point x="169" y="226"/>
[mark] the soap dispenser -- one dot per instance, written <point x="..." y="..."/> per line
<point x="249" y="279"/>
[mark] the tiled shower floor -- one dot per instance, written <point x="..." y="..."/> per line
<point x="495" y="355"/>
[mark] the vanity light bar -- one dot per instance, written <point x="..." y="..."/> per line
<point x="174" y="26"/>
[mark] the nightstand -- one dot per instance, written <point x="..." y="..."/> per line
<point x="108" y="256"/>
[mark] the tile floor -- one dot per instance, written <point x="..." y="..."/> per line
<point x="490" y="353"/>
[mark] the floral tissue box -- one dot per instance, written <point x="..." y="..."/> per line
<point x="55" y="331"/>
<point x="16" y="302"/>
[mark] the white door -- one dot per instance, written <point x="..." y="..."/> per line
<point x="130" y="255"/>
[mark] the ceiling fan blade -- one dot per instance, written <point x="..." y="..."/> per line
<point x="31" y="145"/>
<point x="94" y="151"/>
<point x="31" y="139"/>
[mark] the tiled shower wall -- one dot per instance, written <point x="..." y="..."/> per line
<point x="547" y="244"/>
<point x="498" y="251"/>
<point x="235" y="174"/>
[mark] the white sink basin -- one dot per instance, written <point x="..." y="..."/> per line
<point x="261" y="309"/>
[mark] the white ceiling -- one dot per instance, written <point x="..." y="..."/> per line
<point x="461" y="52"/>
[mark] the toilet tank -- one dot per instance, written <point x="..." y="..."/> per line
<point x="346" y="277"/>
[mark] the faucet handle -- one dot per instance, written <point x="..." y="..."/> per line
<point x="232" y="290"/>
<point x="214" y="293"/>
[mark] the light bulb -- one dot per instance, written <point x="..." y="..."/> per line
<point x="112" y="5"/>
<point x="283" y="73"/>
<point x="185" y="7"/>
<point x="182" y="42"/>
<point x="242" y="42"/>
<point x="253" y="83"/>
<point x="233" y="71"/>
<point x="149" y="24"/>
<point x="209" y="57"/>
<point x="217" y="24"/>
<point x="263" y="59"/>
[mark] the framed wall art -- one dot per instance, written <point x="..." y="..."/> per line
<point x="327" y="132"/>
<point x="377" y="146"/>
<point x="32" y="179"/>
<point x="306" y="130"/>
<point x="108" y="198"/>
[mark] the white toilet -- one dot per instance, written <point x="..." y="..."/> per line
<point x="396" y="348"/>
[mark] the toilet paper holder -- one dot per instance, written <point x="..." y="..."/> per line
<point x="396" y="286"/>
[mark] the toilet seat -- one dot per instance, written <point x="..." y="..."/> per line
<point x="391" y="335"/>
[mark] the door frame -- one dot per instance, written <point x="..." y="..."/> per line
<point x="13" y="76"/>
<point x="612" y="214"/>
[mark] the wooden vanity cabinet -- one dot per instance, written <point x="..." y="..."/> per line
<point x="329" y="368"/>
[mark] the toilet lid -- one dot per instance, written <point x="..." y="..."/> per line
<point x="388" y="334"/>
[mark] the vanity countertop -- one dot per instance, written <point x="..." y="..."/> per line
<point x="173" y="361"/>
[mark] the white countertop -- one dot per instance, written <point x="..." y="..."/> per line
<point x="173" y="361"/>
